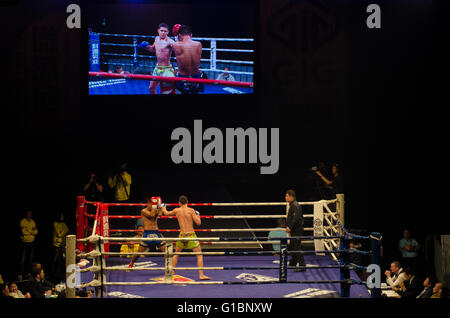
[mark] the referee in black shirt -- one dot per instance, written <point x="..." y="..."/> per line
<point x="294" y="226"/>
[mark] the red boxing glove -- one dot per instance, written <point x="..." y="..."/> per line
<point x="175" y="29"/>
<point x="155" y="202"/>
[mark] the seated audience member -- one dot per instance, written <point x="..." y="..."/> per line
<point x="427" y="291"/>
<point x="395" y="275"/>
<point x="16" y="293"/>
<point x="39" y="287"/>
<point x="79" y="293"/>
<point x="225" y="76"/>
<point x="5" y="291"/>
<point x="439" y="291"/>
<point x="412" y="286"/>
<point x="132" y="247"/>
<point x="279" y="232"/>
<point x="119" y="70"/>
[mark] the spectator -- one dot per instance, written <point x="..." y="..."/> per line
<point x="120" y="183"/>
<point x="139" y="223"/>
<point x="29" y="232"/>
<point x="16" y="293"/>
<point x="202" y="86"/>
<point x="82" y="293"/>
<point x="279" y="232"/>
<point x="395" y="275"/>
<point x="411" y="287"/>
<point x="132" y="247"/>
<point x="39" y="287"/>
<point x="335" y="185"/>
<point x="439" y="291"/>
<point x="60" y="230"/>
<point x="119" y="70"/>
<point x="225" y="76"/>
<point x="93" y="189"/>
<point x="409" y="248"/>
<point x="5" y="291"/>
<point x="356" y="258"/>
<point x="427" y="288"/>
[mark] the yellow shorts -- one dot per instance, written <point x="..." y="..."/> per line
<point x="187" y="244"/>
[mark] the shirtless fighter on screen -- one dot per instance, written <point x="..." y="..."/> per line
<point x="186" y="218"/>
<point x="188" y="54"/>
<point x="163" y="50"/>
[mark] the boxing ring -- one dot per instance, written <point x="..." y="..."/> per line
<point x="136" y="78"/>
<point x="241" y="273"/>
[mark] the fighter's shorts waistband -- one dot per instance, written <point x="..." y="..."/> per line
<point x="151" y="232"/>
<point x="198" y="75"/>
<point x="164" y="66"/>
<point x="186" y="234"/>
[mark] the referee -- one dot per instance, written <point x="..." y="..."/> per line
<point x="294" y="226"/>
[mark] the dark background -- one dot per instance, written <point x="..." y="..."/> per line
<point x="338" y="91"/>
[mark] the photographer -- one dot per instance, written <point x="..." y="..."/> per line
<point x="335" y="185"/>
<point x="93" y="190"/>
<point x="120" y="183"/>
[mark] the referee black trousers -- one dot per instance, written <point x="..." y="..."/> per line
<point x="297" y="259"/>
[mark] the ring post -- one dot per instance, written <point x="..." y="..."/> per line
<point x="104" y="225"/>
<point x="213" y="56"/>
<point x="168" y="277"/>
<point x="102" y="270"/>
<point x="94" y="51"/>
<point x="340" y="210"/>
<point x="283" y="260"/>
<point x="70" y="266"/>
<point x="81" y="219"/>
<point x="375" y="258"/>
<point x="344" y="271"/>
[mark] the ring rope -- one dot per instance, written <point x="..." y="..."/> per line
<point x="208" y="239"/>
<point x="348" y="281"/>
<point x="195" y="38"/>
<point x="219" y="203"/>
<point x="94" y="268"/>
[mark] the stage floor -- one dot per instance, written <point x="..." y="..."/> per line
<point x="284" y="290"/>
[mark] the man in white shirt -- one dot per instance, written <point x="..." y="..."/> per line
<point x="395" y="275"/>
<point x="225" y="76"/>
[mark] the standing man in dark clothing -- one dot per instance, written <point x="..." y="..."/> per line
<point x="294" y="226"/>
<point x="93" y="189"/>
<point x="335" y="185"/>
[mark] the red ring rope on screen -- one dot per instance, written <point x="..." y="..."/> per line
<point x="173" y="79"/>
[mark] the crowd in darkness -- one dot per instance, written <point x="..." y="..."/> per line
<point x="31" y="279"/>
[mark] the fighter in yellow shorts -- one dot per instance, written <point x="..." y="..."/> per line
<point x="186" y="218"/>
<point x="188" y="244"/>
<point x="163" y="50"/>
